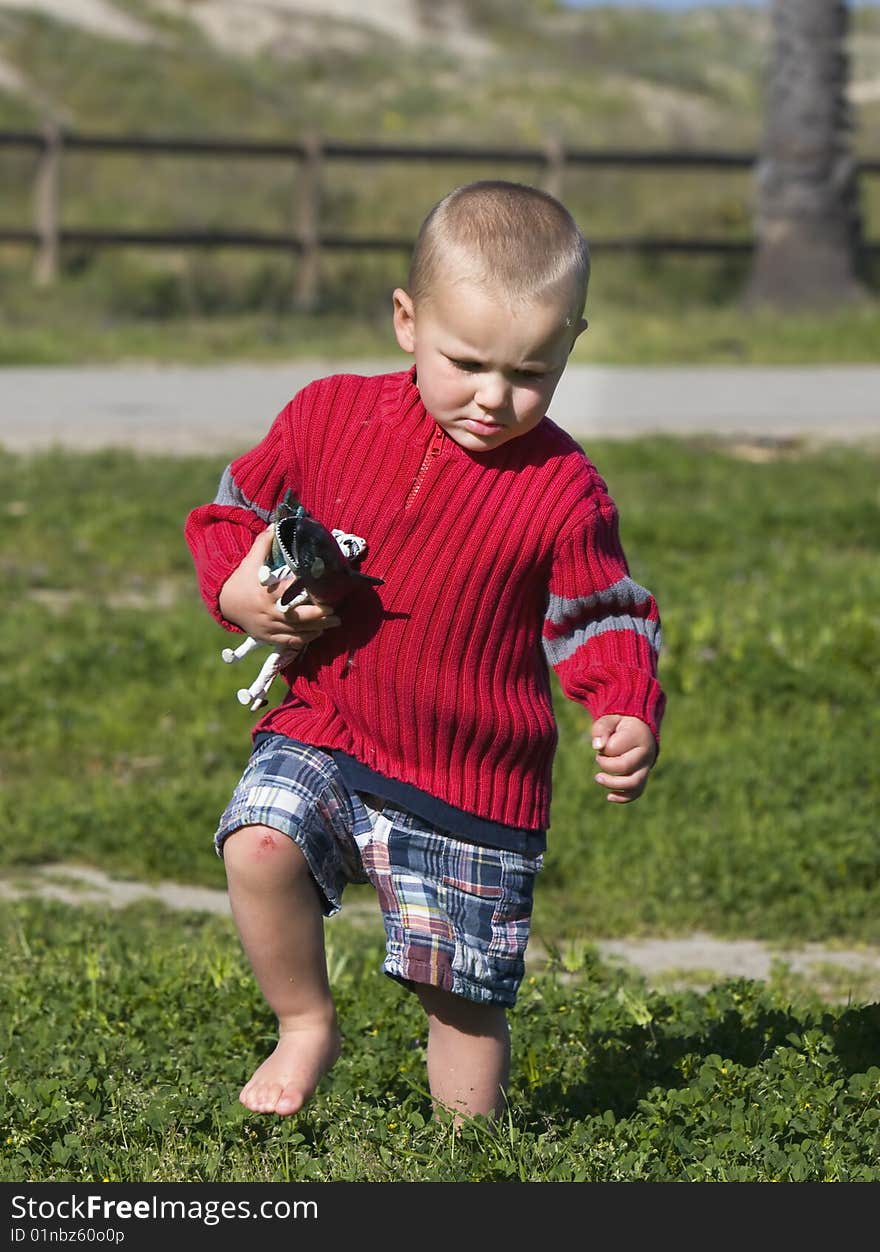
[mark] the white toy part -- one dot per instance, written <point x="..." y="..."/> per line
<point x="256" y="696"/>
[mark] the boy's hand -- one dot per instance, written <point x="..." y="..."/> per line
<point x="625" y="751"/>
<point x="253" y="607"/>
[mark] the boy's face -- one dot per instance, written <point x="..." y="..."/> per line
<point x="486" y="369"/>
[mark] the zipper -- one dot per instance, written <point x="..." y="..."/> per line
<point x="432" y="453"/>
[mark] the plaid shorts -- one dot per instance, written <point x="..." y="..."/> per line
<point x="456" y="914"/>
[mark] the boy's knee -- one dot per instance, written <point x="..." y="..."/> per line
<point x="252" y="848"/>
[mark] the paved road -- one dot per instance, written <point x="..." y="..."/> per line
<point x="228" y="408"/>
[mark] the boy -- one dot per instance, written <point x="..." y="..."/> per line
<point x="414" y="746"/>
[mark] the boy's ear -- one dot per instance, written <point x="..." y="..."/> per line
<point x="404" y="318"/>
<point x="579" y="330"/>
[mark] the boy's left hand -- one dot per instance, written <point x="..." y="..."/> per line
<point x="626" y="750"/>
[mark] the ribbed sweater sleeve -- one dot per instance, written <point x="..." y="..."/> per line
<point x="602" y="630"/>
<point x="219" y="535"/>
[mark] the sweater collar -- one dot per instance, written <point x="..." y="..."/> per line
<point x="400" y="405"/>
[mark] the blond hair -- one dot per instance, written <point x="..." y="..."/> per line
<point x="505" y="235"/>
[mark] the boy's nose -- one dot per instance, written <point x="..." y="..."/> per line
<point x="492" y="391"/>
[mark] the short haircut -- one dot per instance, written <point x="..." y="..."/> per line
<point x="502" y="234"/>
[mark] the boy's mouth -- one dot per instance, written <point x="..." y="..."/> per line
<point x="482" y="426"/>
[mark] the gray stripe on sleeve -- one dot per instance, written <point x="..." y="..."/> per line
<point x="559" y="650"/>
<point x="625" y="591"/>
<point x="229" y="493"/>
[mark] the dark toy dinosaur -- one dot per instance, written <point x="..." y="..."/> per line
<point x="322" y="566"/>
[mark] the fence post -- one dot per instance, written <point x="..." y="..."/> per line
<point x="46" y="204"/>
<point x="554" y="167"/>
<point x="308" y="274"/>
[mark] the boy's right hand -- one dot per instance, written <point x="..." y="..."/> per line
<point x="253" y="607"/>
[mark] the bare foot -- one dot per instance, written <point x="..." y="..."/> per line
<point x="287" y="1079"/>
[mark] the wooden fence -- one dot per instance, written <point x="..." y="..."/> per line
<point x="47" y="235"/>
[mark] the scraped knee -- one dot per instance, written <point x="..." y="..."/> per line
<point x="252" y="850"/>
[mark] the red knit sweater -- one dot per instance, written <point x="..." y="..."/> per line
<point x="495" y="565"/>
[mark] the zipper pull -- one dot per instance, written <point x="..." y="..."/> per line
<point x="433" y="451"/>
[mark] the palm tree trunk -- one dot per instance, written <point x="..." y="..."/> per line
<point x="807" y="221"/>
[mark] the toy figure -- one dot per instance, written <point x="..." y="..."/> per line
<point x="322" y="565"/>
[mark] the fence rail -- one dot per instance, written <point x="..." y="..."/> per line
<point x="47" y="235"/>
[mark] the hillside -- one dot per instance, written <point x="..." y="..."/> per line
<point x="485" y="70"/>
<point x="512" y="72"/>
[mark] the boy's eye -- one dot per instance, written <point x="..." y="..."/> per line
<point x="475" y="367"/>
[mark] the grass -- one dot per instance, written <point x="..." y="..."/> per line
<point x="125" y="1039"/>
<point x="126" y="1036"/>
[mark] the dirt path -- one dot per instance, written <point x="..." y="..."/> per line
<point x="694" y="960"/>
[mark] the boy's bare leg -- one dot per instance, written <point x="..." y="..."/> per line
<point x="468" y="1052"/>
<point x="277" y="910"/>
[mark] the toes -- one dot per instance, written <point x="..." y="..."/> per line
<point x="260" y="1097"/>
<point x="288" y="1102"/>
<point x="271" y="1098"/>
